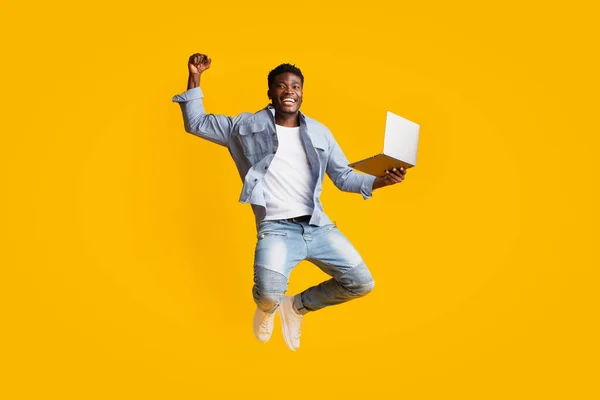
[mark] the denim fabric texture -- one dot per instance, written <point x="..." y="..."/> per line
<point x="282" y="245"/>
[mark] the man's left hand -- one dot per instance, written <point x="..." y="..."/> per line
<point x="390" y="178"/>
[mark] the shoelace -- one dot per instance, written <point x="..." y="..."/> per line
<point x="297" y="330"/>
<point x="265" y="323"/>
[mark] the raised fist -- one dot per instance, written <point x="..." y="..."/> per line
<point x="198" y="63"/>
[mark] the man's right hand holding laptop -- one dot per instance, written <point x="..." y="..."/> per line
<point x="391" y="177"/>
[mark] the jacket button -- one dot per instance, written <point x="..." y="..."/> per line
<point x="255" y="180"/>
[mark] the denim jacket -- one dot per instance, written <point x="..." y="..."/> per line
<point x="252" y="142"/>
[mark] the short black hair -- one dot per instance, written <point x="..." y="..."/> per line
<point x="281" y="69"/>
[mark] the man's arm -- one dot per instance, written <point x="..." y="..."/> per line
<point x="212" y="127"/>
<point x="348" y="180"/>
<point x="344" y="177"/>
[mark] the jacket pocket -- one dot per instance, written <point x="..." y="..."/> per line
<point x="256" y="141"/>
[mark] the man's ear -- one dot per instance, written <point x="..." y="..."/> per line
<point x="269" y="94"/>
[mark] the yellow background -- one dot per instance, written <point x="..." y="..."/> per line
<point x="127" y="261"/>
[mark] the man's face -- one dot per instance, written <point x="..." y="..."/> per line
<point x="286" y="93"/>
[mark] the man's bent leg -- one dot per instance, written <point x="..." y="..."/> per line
<point x="353" y="284"/>
<point x="268" y="290"/>
<point x="279" y="249"/>
<point x="333" y="253"/>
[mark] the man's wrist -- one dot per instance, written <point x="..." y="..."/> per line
<point x="193" y="81"/>
<point x="379" y="182"/>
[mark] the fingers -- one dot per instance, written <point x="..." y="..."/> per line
<point x="198" y="58"/>
<point x="392" y="178"/>
<point x="194" y="58"/>
<point x="401" y="172"/>
<point x="395" y="176"/>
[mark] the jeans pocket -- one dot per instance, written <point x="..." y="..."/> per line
<point x="263" y="235"/>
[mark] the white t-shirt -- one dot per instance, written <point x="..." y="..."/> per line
<point x="288" y="184"/>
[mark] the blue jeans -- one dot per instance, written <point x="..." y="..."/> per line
<point x="282" y="245"/>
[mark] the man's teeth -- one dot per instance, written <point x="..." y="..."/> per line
<point x="289" y="100"/>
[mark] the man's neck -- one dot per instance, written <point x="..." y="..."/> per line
<point x="287" y="120"/>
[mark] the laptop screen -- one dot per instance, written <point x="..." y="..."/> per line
<point x="401" y="138"/>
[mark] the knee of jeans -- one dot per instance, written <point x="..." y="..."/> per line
<point x="365" y="289"/>
<point x="267" y="301"/>
<point x="358" y="280"/>
<point x="269" y="288"/>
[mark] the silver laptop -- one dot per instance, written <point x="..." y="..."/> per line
<point x="399" y="147"/>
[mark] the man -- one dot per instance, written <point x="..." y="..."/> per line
<point x="282" y="157"/>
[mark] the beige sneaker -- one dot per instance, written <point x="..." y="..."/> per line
<point x="263" y="325"/>
<point x="290" y="322"/>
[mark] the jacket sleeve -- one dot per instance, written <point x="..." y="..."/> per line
<point x="344" y="177"/>
<point x="212" y="127"/>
